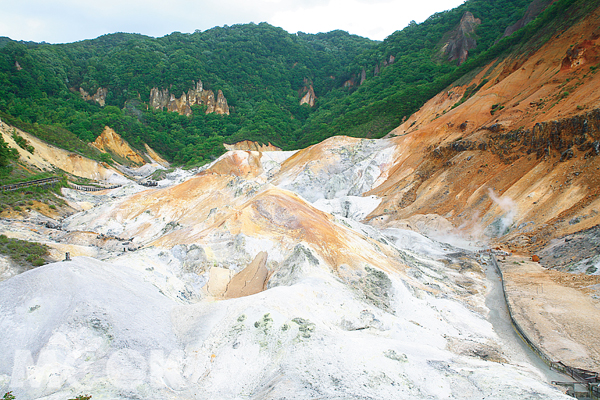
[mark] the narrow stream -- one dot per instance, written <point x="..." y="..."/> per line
<point x="515" y="348"/>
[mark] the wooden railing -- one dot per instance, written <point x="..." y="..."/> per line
<point x="49" y="181"/>
<point x="37" y="182"/>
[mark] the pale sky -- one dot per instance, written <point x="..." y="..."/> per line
<point x="63" y="21"/>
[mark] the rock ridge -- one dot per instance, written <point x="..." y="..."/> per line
<point x="461" y="39"/>
<point x="110" y="141"/>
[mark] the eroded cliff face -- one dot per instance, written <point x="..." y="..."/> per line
<point x="98" y="97"/>
<point x="196" y="96"/>
<point x="534" y="9"/>
<point x="111" y="142"/>
<point x="307" y="94"/>
<point x="154" y="156"/>
<point x="377" y="68"/>
<point x="462" y="39"/>
<point x="518" y="161"/>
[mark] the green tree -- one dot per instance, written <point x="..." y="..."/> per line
<point x="7" y="154"/>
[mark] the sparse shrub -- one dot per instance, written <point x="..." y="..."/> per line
<point x="20" y="140"/>
<point x="496" y="107"/>
<point x="105" y="157"/>
<point x="38" y="262"/>
<point x="23" y="252"/>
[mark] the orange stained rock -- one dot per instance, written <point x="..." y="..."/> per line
<point x="110" y="141"/>
<point x="47" y="157"/>
<point x="282" y="216"/>
<point x="555" y="310"/>
<point x="250" y="280"/>
<point x="156" y="157"/>
<point x="432" y="174"/>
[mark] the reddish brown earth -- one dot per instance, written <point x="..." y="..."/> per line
<point x="521" y="136"/>
<point x="525" y="147"/>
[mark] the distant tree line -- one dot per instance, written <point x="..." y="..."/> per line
<point x="261" y="69"/>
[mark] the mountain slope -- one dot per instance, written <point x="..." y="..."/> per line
<point x="361" y="88"/>
<point x="523" y="147"/>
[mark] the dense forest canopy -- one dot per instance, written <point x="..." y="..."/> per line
<point x="262" y="71"/>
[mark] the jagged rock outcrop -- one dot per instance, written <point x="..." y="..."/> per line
<point x="461" y="39"/>
<point x="99" y="97"/>
<point x="534" y="9"/>
<point x="308" y="94"/>
<point x="159" y="98"/>
<point x="110" y="141"/>
<point x="363" y="76"/>
<point x="196" y="96"/>
<point x="221" y="106"/>
<point x="579" y="55"/>
<point x="350" y="82"/>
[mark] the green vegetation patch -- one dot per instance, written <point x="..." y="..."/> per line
<point x="20" y="140"/>
<point x="305" y="328"/>
<point x="7" y="155"/>
<point x="23" y="252"/>
<point x="23" y="198"/>
<point x="377" y="288"/>
<point x="496" y="108"/>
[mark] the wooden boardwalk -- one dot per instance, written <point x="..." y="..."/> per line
<point x="49" y="181"/>
<point x="37" y="182"/>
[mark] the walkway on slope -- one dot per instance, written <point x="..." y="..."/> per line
<point x="36" y="182"/>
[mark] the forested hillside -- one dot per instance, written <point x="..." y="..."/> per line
<point x="363" y="88"/>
